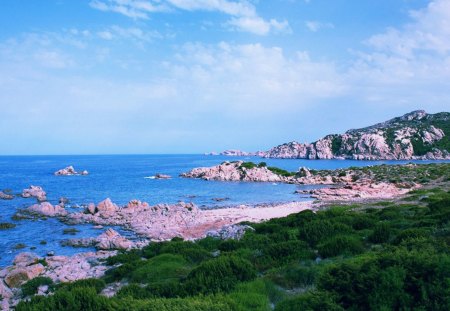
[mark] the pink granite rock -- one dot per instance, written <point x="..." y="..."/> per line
<point x="36" y="192"/>
<point x="107" y="206"/>
<point x="47" y="209"/>
<point x="69" y="171"/>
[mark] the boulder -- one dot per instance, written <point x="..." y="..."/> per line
<point x="107" y="206"/>
<point x="111" y="239"/>
<point x="135" y="205"/>
<point x="36" y="192"/>
<point x="91" y="208"/>
<point x="5" y="292"/>
<point x="46" y="209"/>
<point x="21" y="275"/>
<point x="25" y="259"/>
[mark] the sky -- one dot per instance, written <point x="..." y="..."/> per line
<point x="193" y="76"/>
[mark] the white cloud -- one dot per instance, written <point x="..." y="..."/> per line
<point x="243" y="14"/>
<point x="315" y="26"/>
<point x="410" y="62"/>
<point x="133" y="33"/>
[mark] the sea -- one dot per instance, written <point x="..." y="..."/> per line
<point x="123" y="178"/>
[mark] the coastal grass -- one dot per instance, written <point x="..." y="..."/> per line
<point x="385" y="256"/>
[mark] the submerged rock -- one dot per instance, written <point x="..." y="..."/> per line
<point x="162" y="176"/>
<point x="6" y="196"/>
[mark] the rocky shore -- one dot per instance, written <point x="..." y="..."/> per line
<point x="164" y="222"/>
<point x="344" y="184"/>
<point x="59" y="269"/>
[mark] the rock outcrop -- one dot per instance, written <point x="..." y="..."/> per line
<point x="416" y="135"/>
<point x="235" y="232"/>
<point x="35" y="192"/>
<point x="47" y="209"/>
<point x="235" y="171"/>
<point x="109" y="240"/>
<point x="70" y="171"/>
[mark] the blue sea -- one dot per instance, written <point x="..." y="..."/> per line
<point x="123" y="178"/>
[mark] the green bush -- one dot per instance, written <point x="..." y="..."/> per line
<point x="97" y="284"/>
<point x="340" y="245"/>
<point x="381" y="233"/>
<point x="190" y="251"/>
<point x="248" y="165"/>
<point x="162" y="268"/>
<point x="77" y="299"/>
<point x="219" y="275"/>
<point x="411" y="233"/>
<point x="315" y="231"/>
<point x="312" y="301"/>
<point x="30" y="288"/>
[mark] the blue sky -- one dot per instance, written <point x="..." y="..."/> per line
<point x="190" y="76"/>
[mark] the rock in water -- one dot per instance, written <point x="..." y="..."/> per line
<point x="46" y="209"/>
<point x="69" y="171"/>
<point x="111" y="239"/>
<point x="162" y="176"/>
<point x="107" y="206"/>
<point x="5" y="196"/>
<point x="36" y="192"/>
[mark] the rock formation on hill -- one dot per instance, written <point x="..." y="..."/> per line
<point x="416" y="135"/>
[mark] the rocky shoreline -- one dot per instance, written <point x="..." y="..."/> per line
<point x="163" y="222"/>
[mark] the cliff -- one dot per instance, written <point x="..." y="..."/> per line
<point x="416" y="135"/>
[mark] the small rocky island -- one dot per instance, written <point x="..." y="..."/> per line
<point x="70" y="171"/>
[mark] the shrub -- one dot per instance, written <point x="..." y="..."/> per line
<point x="162" y="268"/>
<point x="97" y="284"/>
<point x="317" y="230"/>
<point x="85" y="299"/>
<point x="30" y="288"/>
<point x="190" y="251"/>
<point x="280" y="171"/>
<point x="220" y="274"/>
<point x="312" y="301"/>
<point x="248" y="165"/>
<point x="381" y="233"/>
<point x="340" y="245"/>
<point x="125" y="257"/>
<point x="412" y="233"/>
